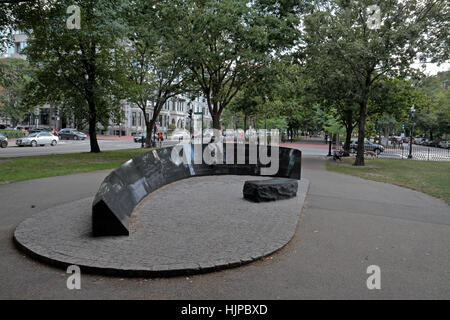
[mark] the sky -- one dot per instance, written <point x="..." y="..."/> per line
<point x="432" y="68"/>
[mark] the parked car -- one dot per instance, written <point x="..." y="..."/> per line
<point x="431" y="143"/>
<point x="395" y="140"/>
<point x="179" y="136"/>
<point x="368" y="146"/>
<point x="3" y="141"/>
<point x="407" y="139"/>
<point x="425" y="142"/>
<point x="35" y="130"/>
<point x="138" y="138"/>
<point x="71" y="134"/>
<point x="38" y="138"/>
<point x="444" y="144"/>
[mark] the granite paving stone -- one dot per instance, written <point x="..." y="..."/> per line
<point x="197" y="224"/>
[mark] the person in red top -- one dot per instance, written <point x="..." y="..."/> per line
<point x="160" y="139"/>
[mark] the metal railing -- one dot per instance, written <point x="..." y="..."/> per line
<point x="419" y="152"/>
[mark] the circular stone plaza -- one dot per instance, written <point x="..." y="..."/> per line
<point x="191" y="226"/>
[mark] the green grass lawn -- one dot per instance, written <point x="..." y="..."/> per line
<point x="27" y="168"/>
<point x="429" y="177"/>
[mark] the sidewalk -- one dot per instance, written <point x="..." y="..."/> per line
<point x="122" y="138"/>
<point x="303" y="144"/>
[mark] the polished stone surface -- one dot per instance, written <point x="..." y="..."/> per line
<point x="183" y="228"/>
<point x="270" y="190"/>
<point x="125" y="187"/>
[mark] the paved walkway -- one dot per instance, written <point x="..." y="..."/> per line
<point x="348" y="224"/>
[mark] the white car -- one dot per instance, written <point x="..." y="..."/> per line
<point x="180" y="135"/>
<point x="38" y="138"/>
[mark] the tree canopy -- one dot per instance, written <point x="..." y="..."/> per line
<point x="76" y="63"/>
<point x="225" y="43"/>
<point x="342" y="31"/>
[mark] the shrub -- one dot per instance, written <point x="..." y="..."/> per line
<point x="11" y="134"/>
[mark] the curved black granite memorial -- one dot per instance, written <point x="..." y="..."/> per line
<point x="126" y="186"/>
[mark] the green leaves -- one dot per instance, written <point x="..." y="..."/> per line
<point x="14" y="77"/>
<point x="225" y="43"/>
<point x="77" y="65"/>
<point x="343" y="51"/>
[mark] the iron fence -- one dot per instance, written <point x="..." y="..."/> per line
<point x="424" y="153"/>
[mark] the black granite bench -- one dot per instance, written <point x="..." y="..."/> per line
<point x="126" y="186"/>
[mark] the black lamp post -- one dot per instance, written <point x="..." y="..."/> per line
<point x="411" y="132"/>
<point x="190" y="121"/>
<point x="203" y="112"/>
<point x="330" y="141"/>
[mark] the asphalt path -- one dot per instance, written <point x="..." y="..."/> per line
<point x="347" y="225"/>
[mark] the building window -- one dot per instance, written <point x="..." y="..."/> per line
<point x="133" y="119"/>
<point x="140" y="119"/>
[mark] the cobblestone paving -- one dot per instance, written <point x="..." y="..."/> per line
<point x="192" y="226"/>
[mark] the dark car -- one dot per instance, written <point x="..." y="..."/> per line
<point x="434" y="143"/>
<point x="38" y="130"/>
<point x="71" y="134"/>
<point x="3" y="141"/>
<point x="368" y="146"/>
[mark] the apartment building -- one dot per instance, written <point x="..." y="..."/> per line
<point x="43" y="116"/>
<point x="174" y="115"/>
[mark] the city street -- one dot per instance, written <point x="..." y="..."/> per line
<point x="66" y="146"/>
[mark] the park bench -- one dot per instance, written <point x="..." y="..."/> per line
<point x="337" y="155"/>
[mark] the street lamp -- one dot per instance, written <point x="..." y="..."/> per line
<point x="330" y="141"/>
<point x="190" y="120"/>
<point x="411" y="132"/>
<point x="203" y="112"/>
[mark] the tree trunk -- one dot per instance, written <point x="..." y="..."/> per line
<point x="95" y="148"/>
<point x="348" y="139"/>
<point x="150" y="126"/>
<point x="348" y="132"/>
<point x="216" y="121"/>
<point x="361" y="133"/>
